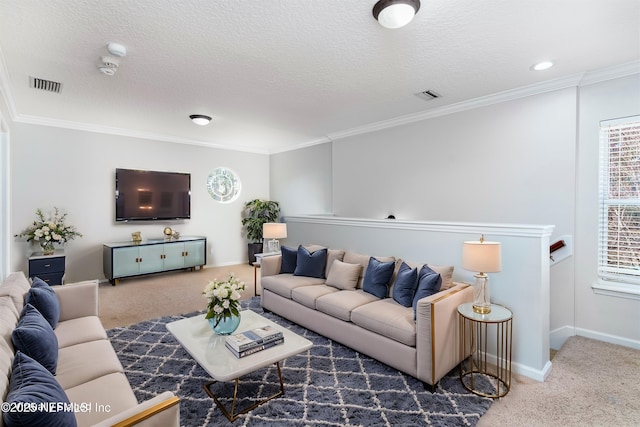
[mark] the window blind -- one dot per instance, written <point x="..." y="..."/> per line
<point x="619" y="221"/>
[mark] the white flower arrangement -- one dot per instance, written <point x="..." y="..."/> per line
<point x="223" y="298"/>
<point x="47" y="231"/>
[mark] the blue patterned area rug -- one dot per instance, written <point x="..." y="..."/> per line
<point x="329" y="385"/>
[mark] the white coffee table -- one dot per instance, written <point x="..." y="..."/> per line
<point x="208" y="349"/>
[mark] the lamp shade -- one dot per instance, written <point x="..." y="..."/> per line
<point x="482" y="256"/>
<point x="274" y="230"/>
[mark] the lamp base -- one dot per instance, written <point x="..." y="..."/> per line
<point x="482" y="309"/>
<point x="273" y="245"/>
<point x="481" y="301"/>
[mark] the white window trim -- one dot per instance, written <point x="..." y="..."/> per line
<point x="616" y="289"/>
<point x="607" y="283"/>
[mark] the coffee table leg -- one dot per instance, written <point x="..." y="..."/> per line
<point x="232" y="416"/>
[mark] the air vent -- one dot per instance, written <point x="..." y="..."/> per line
<point x="42" y="84"/>
<point x="428" y="95"/>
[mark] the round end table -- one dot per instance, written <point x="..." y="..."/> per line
<point x="483" y="337"/>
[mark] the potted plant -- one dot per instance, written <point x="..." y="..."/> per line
<point x="255" y="213"/>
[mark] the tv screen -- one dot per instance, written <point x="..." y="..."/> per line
<point x="152" y="195"/>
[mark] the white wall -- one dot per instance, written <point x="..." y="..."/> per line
<point x="512" y="162"/>
<point x="529" y="160"/>
<point x="5" y="179"/>
<point x="301" y="180"/>
<point x="604" y="317"/>
<point x="75" y="171"/>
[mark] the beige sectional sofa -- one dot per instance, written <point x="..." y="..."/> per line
<point x="423" y="343"/>
<point x="87" y="370"/>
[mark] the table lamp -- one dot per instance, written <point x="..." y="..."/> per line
<point x="274" y="231"/>
<point x="483" y="257"/>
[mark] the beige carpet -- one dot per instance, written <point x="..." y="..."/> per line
<point x="136" y="299"/>
<point x="592" y="383"/>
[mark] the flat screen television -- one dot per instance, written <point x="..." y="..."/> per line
<point x="152" y="195"/>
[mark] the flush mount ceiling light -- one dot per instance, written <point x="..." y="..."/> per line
<point x="200" y="119"/>
<point x="544" y="65"/>
<point x="395" y="13"/>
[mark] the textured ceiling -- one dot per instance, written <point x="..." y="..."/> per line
<point x="287" y="73"/>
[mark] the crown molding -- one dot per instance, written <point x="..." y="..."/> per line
<point x="610" y="73"/>
<point x="89" y="127"/>
<point x="575" y="80"/>
<point x="483" y="101"/>
<point x="307" y="144"/>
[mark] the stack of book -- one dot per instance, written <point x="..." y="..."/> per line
<point x="253" y="341"/>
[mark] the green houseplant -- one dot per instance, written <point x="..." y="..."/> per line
<point x="255" y="213"/>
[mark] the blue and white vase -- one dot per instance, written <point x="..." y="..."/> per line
<point x="226" y="325"/>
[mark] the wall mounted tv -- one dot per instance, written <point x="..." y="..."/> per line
<point x="152" y="195"/>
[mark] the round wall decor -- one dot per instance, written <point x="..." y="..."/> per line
<point x="223" y="185"/>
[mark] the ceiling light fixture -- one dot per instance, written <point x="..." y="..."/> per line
<point x="544" y="65"/>
<point x="200" y="119"/>
<point x="395" y="13"/>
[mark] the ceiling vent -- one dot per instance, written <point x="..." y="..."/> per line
<point x="47" y="85"/>
<point x="428" y="95"/>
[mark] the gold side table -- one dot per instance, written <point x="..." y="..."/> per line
<point x="480" y="335"/>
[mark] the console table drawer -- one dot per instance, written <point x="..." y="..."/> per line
<point x="38" y="267"/>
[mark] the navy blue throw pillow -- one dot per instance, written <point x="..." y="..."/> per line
<point x="429" y="283"/>
<point x="289" y="260"/>
<point x="405" y="285"/>
<point x="45" y="300"/>
<point x="30" y="384"/>
<point x="377" y="277"/>
<point x="311" y="264"/>
<point x="34" y="337"/>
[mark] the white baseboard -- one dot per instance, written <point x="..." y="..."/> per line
<point x="527" y="371"/>
<point x="612" y="339"/>
<point x="226" y="264"/>
<point x="535" y="374"/>
<point x="559" y="336"/>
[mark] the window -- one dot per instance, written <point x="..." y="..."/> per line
<point x="619" y="223"/>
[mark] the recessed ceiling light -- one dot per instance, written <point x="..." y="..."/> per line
<point x="200" y="119"/>
<point x="544" y="65"/>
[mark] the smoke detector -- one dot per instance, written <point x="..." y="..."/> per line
<point x="117" y="49"/>
<point x="109" y="65"/>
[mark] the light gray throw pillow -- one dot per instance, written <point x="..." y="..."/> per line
<point x="343" y="275"/>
